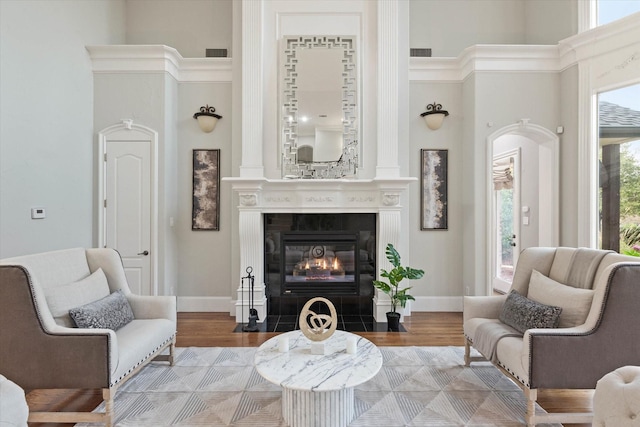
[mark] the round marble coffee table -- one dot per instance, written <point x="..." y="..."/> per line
<point x="317" y="390"/>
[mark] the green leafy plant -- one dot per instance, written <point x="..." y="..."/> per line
<point x="395" y="276"/>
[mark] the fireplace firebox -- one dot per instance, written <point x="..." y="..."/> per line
<point x="319" y="263"/>
<point x="328" y="255"/>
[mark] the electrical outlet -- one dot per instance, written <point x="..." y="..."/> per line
<point x="38" y="213"/>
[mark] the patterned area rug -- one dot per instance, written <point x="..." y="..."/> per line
<point x="417" y="386"/>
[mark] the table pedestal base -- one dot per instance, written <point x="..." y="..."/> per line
<point x="318" y="409"/>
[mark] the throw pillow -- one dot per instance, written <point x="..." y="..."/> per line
<point x="110" y="312"/>
<point x="521" y="313"/>
<point x="575" y="302"/>
<point x="61" y="299"/>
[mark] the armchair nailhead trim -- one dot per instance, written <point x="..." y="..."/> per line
<point x="142" y="361"/>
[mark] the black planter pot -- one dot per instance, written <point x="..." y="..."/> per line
<point x="393" y="321"/>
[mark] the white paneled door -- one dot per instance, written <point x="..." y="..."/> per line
<point x="128" y="209"/>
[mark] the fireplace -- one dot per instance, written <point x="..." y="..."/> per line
<point x="329" y="255"/>
<point x="270" y="207"/>
<point x="320" y="263"/>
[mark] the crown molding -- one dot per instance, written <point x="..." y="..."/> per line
<point x="529" y="58"/>
<point x="158" y="59"/>
<point x="599" y="41"/>
<point x="478" y="58"/>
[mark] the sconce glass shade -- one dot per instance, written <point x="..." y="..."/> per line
<point x="434" y="116"/>
<point x="207" y="118"/>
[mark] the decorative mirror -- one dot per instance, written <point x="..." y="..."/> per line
<point x="319" y="107"/>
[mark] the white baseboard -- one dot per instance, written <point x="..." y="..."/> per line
<point x="207" y="304"/>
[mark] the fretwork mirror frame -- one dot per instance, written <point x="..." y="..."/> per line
<point x="289" y="77"/>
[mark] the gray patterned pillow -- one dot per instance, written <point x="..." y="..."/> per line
<point x="521" y="313"/>
<point x="110" y="312"/>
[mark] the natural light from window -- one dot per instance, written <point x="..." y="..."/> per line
<point x="610" y="10"/>
<point x="619" y="167"/>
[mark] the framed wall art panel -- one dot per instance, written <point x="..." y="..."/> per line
<point x="433" y="189"/>
<point x="206" y="190"/>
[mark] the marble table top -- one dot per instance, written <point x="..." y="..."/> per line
<point x="298" y="369"/>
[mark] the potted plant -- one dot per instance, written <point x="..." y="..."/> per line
<point x="395" y="276"/>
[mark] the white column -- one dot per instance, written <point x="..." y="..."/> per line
<point x="389" y="228"/>
<point x="387" y="110"/>
<point x="251" y="255"/>
<point x="587" y="160"/>
<point x="252" y="89"/>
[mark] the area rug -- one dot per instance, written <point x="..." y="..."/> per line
<point x="417" y="386"/>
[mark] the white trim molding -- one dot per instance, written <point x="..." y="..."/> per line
<point x="477" y="58"/>
<point x="159" y="59"/>
<point x="587" y="45"/>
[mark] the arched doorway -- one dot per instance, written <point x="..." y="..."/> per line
<point x="532" y="152"/>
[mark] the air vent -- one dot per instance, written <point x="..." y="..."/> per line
<point x="420" y="52"/>
<point x="216" y="53"/>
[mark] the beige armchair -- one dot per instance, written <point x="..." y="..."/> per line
<point x="597" y="331"/>
<point x="40" y="347"/>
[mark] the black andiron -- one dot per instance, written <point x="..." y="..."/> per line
<point x="252" y="326"/>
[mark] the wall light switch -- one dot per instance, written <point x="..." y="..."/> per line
<point x="38" y="213"/>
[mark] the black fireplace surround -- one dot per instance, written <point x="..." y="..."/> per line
<point x="328" y="255"/>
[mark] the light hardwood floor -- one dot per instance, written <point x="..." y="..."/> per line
<point x="216" y="330"/>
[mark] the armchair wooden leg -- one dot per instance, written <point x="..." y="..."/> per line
<point x="532" y="397"/>
<point x="172" y="349"/>
<point x="107" y="395"/>
<point x="467" y="352"/>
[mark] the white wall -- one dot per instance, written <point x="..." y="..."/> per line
<point x="189" y="26"/>
<point x="169" y="207"/>
<point x="435" y="250"/>
<point x="204" y="257"/>
<point x="449" y="26"/>
<point x="47" y="137"/>
<point x="149" y="99"/>
<point x="548" y="22"/>
<point x="569" y="209"/>
<point x="501" y="99"/>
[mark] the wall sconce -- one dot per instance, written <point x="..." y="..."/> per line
<point x="434" y="116"/>
<point x="207" y="118"/>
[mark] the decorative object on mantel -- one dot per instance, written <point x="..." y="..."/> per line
<point x="206" y="190"/>
<point x="434" y="116"/>
<point x="318" y="327"/>
<point x="395" y="276"/>
<point x="207" y="118"/>
<point x="433" y="189"/>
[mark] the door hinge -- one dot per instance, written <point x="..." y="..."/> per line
<point x="105" y="157"/>
<point x="105" y="203"/>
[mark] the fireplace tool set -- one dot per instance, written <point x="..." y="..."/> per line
<point x="252" y="326"/>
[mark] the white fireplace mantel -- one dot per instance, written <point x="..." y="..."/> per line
<point x="257" y="196"/>
<point x="316" y="196"/>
